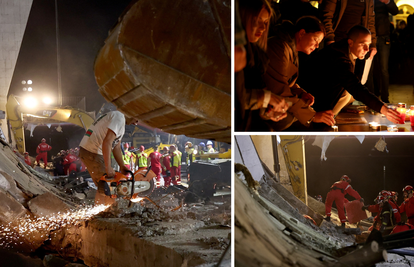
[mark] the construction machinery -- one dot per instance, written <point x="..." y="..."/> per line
<point x="178" y="81"/>
<point x="134" y="187"/>
<point x="17" y="114"/>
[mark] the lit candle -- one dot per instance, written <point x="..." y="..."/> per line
<point x="411" y="114"/>
<point x="335" y="128"/>
<point x="392" y="128"/>
<point x="401" y="109"/>
<point x="374" y="125"/>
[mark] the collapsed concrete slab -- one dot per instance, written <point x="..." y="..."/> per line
<point x="47" y="204"/>
<point x="10" y="208"/>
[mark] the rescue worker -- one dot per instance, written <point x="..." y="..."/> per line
<point x="41" y="151"/>
<point x="154" y="160"/>
<point x="102" y="138"/>
<point x="70" y="163"/>
<point x="210" y="148"/>
<point x="337" y="193"/>
<point x="387" y="218"/>
<point x="408" y="205"/>
<point x="180" y="154"/>
<point x="175" y="162"/>
<point x="392" y="199"/>
<point x="141" y="158"/>
<point x="376" y="208"/>
<point x="200" y="150"/>
<point x="58" y="163"/>
<point x="128" y="156"/>
<point x="189" y="149"/>
<point x="166" y="167"/>
<point x="27" y="159"/>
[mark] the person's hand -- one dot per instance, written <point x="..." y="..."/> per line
<point x="278" y="104"/>
<point x="390" y="114"/>
<point x="277" y="108"/>
<point x="110" y="173"/>
<point x="373" y="52"/>
<point x="124" y="170"/>
<point x="326" y="117"/>
<point x="306" y="97"/>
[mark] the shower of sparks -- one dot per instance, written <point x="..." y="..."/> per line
<point x="28" y="228"/>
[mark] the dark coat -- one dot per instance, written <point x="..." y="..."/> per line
<point x="330" y="73"/>
<point x="249" y="85"/>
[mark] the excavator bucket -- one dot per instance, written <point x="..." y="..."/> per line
<point x="168" y="64"/>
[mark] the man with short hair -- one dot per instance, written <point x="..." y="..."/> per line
<point x="102" y="138"/>
<point x="335" y="65"/>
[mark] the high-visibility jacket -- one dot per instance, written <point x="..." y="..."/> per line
<point x="190" y="156"/>
<point x="127" y="157"/>
<point x="142" y="159"/>
<point x="175" y="160"/>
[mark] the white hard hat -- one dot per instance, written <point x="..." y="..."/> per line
<point x="209" y="142"/>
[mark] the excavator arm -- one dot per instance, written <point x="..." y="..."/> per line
<point x="16" y="113"/>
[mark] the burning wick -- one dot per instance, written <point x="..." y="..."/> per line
<point x="335" y="128"/>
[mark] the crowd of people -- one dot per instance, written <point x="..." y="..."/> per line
<point x="390" y="217"/>
<point x="166" y="162"/>
<point x="272" y="38"/>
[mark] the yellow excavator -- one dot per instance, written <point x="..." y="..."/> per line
<point x="17" y="114"/>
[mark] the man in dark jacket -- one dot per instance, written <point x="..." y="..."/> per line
<point x="338" y="84"/>
<point x="378" y="80"/>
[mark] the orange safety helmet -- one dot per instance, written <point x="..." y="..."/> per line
<point x="346" y="178"/>
<point x="126" y="145"/>
<point x="165" y="148"/>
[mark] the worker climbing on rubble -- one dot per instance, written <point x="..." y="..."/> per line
<point x="41" y="151"/>
<point x="408" y="205"/>
<point x="100" y="139"/>
<point x="70" y="163"/>
<point x="154" y="160"/>
<point x="27" y="159"/>
<point x="175" y="162"/>
<point x="337" y="193"/>
<point x="385" y="220"/>
<point x="141" y="158"/>
<point x="128" y="157"/>
<point x="166" y="167"/>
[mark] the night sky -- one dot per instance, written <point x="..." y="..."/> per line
<point x="363" y="164"/>
<point x="83" y="28"/>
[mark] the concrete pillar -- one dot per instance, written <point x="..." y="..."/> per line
<point x="13" y="19"/>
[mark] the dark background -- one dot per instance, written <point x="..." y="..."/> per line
<point x="362" y="163"/>
<point x="83" y="28"/>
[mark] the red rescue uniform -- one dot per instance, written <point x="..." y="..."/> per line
<point x="337" y="194"/>
<point x="408" y="207"/>
<point x="166" y="166"/>
<point x="154" y="159"/>
<point x="41" y="151"/>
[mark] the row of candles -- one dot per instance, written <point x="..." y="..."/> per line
<point x="402" y="109"/>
